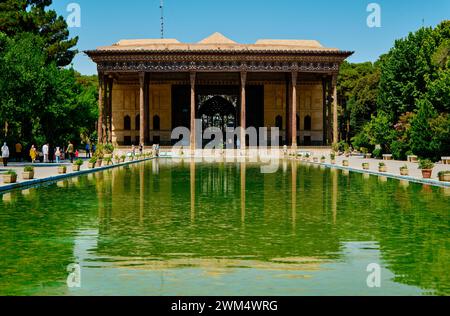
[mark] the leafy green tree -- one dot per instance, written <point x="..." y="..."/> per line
<point x="32" y="16"/>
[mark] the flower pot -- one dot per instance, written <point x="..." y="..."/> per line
<point x="9" y="178"/>
<point x="76" y="168"/>
<point x="444" y="177"/>
<point x="333" y="162"/>
<point x="91" y="165"/>
<point x="322" y="160"/>
<point x="404" y="172"/>
<point x="368" y="156"/>
<point x="345" y="163"/>
<point x="426" y="173"/>
<point x="28" y="175"/>
<point x="61" y="170"/>
<point x="382" y="169"/>
<point x="365" y="166"/>
<point x="315" y="159"/>
<point x="99" y="163"/>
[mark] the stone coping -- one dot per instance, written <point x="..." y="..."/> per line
<point x="432" y="182"/>
<point x="36" y="182"/>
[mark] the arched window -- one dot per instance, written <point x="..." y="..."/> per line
<point x="307" y="123"/>
<point x="127" y="123"/>
<point x="137" y="122"/>
<point x="279" y="122"/>
<point x="156" y="123"/>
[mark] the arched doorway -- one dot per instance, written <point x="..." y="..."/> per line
<point x="219" y="112"/>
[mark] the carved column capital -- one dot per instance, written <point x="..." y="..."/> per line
<point x="294" y="78"/>
<point x="243" y="78"/>
<point x="192" y="77"/>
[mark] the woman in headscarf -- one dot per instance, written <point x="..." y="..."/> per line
<point x="33" y="154"/>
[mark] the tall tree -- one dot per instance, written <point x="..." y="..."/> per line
<point x="33" y="16"/>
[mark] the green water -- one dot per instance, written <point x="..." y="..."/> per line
<point x="165" y="228"/>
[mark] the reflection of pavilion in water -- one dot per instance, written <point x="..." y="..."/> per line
<point x="217" y="196"/>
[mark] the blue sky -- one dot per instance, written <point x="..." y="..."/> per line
<point x="335" y="23"/>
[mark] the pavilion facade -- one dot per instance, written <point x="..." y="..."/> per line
<point x="149" y="87"/>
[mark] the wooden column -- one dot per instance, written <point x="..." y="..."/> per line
<point x="288" y="133"/>
<point x="324" y="111"/>
<point x="335" y="112"/>
<point x="293" y="111"/>
<point x="109" y="117"/>
<point x="148" y="116"/>
<point x="141" y="108"/>
<point x="104" y="112"/>
<point x="100" y="109"/>
<point x="243" y="111"/>
<point x="330" y="116"/>
<point x="193" y="76"/>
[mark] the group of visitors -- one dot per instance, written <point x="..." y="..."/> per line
<point x="47" y="154"/>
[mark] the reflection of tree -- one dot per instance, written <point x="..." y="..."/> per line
<point x="37" y="232"/>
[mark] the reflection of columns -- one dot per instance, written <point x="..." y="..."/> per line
<point x="141" y="108"/>
<point x="193" y="136"/>
<point x="243" y="187"/>
<point x="293" y="111"/>
<point x="100" y="108"/>
<point x="192" y="178"/>
<point x="141" y="191"/>
<point x="335" y="112"/>
<point x="243" y="110"/>
<point x="334" y="195"/>
<point x="294" y="193"/>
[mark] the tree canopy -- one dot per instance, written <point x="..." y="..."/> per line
<point x="401" y="102"/>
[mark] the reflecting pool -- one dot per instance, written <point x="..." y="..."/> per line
<point x="187" y="228"/>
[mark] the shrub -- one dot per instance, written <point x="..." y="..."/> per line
<point x="11" y="173"/>
<point x="93" y="160"/>
<point x="99" y="151"/>
<point x="79" y="162"/>
<point x="404" y="167"/>
<point x="108" y="149"/>
<point x="323" y="157"/>
<point x="63" y="168"/>
<point x="333" y="156"/>
<point x="381" y="164"/>
<point x="377" y="153"/>
<point x="123" y="157"/>
<point x="28" y="169"/>
<point x="443" y="173"/>
<point x="426" y="164"/>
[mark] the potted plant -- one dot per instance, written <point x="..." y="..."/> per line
<point x="10" y="177"/>
<point x="382" y="167"/>
<point x="365" y="165"/>
<point x="307" y="157"/>
<point x="77" y="165"/>
<point x="444" y="176"/>
<point x="123" y="157"/>
<point x="404" y="170"/>
<point x="28" y="173"/>
<point x="322" y="159"/>
<point x="62" y="169"/>
<point x="345" y="163"/>
<point x="426" y="166"/>
<point x="92" y="162"/>
<point x="107" y="161"/>
<point x="108" y="150"/>
<point x="117" y="158"/>
<point x="333" y="158"/>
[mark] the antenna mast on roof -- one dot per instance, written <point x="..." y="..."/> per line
<point x="161" y="6"/>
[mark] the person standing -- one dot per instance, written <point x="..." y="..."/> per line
<point x="19" y="151"/>
<point x="5" y="154"/>
<point x="33" y="154"/>
<point x="88" y="150"/>
<point x="51" y="153"/>
<point x="45" y="152"/>
<point x="58" y="155"/>
<point x="70" y="151"/>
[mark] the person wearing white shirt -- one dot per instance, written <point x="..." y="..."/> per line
<point x="5" y="154"/>
<point x="45" y="152"/>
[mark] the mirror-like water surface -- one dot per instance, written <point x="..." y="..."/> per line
<point x="165" y="228"/>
